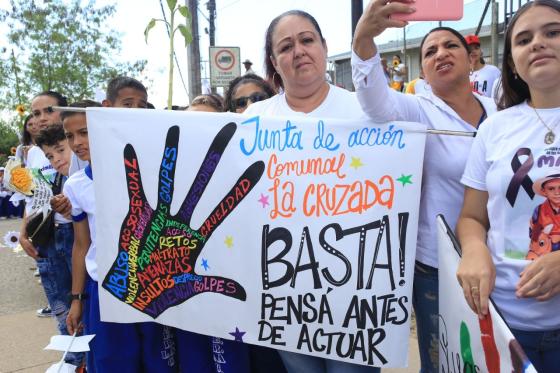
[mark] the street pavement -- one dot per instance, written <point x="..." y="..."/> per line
<point x="23" y="335"/>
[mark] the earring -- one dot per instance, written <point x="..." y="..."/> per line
<point x="515" y="76"/>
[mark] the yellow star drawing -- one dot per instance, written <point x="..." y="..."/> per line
<point x="356" y="163"/>
<point x="229" y="242"/>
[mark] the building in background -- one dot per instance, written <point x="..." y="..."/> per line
<point x="473" y="11"/>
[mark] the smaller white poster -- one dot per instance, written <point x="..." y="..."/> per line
<point x="467" y="344"/>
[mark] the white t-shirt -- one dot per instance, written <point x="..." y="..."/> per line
<point x="444" y="157"/>
<point x="339" y="104"/>
<point x="508" y="160"/>
<point x="79" y="190"/>
<point x="76" y="164"/>
<point x="399" y="68"/>
<point x="482" y="80"/>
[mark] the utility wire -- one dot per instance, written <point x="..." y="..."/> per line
<point x="174" y="54"/>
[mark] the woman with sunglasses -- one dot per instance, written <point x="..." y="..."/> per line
<point x="246" y="90"/>
<point x="295" y="62"/>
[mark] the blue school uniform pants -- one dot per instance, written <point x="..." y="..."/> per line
<point x="125" y="348"/>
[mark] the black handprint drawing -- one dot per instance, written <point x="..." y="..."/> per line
<point x="155" y="265"/>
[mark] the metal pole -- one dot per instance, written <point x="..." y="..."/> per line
<point x="357" y="10"/>
<point x="404" y="55"/>
<point x="482" y="17"/>
<point x="211" y="6"/>
<point x="193" y="53"/>
<point x="494" y="33"/>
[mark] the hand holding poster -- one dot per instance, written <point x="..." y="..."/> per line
<point x="293" y="233"/>
<point x="468" y="344"/>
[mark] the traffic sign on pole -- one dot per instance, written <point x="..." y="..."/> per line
<point x="224" y="65"/>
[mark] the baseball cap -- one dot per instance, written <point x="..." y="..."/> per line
<point x="472" y="39"/>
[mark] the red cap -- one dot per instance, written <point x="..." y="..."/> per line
<point x="472" y="39"/>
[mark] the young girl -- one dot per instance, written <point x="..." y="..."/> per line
<point x="513" y="150"/>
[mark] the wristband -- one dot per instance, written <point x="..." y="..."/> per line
<point x="79" y="296"/>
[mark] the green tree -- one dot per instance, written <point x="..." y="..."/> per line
<point x="8" y="140"/>
<point x="58" y="45"/>
<point x="172" y="28"/>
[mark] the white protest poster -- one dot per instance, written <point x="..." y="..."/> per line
<point x="293" y="233"/>
<point x="466" y="343"/>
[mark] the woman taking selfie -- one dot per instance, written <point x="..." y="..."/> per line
<point x="449" y="104"/>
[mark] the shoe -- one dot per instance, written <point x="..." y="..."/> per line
<point x="44" y="312"/>
<point x="36" y="273"/>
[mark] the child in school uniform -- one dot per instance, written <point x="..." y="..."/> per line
<point x="54" y="145"/>
<point x="135" y="347"/>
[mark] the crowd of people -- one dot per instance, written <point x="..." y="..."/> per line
<point x="494" y="188"/>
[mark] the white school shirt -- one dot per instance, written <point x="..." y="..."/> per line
<point x="76" y="164"/>
<point x="482" y="81"/>
<point x="444" y="156"/>
<point x="507" y="157"/>
<point x="79" y="190"/>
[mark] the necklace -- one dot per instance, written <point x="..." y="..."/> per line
<point x="550" y="136"/>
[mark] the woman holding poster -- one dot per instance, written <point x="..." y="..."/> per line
<point x="450" y="104"/>
<point x="295" y="62"/>
<point x="512" y="184"/>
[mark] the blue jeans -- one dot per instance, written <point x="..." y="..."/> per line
<point x="542" y="348"/>
<point x="426" y="309"/>
<point x="55" y="269"/>
<point x="300" y="363"/>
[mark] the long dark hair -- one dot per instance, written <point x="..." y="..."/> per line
<point x="271" y="74"/>
<point x="515" y="90"/>
<point x="61" y="100"/>
<point x="245" y="79"/>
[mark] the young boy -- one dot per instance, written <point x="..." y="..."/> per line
<point x="126" y="92"/>
<point x="140" y="347"/>
<point x="54" y="145"/>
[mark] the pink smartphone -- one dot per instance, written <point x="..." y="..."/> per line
<point x="433" y="10"/>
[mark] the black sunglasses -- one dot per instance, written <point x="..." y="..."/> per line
<point x="242" y="102"/>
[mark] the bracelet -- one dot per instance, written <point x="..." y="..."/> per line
<point x="79" y="296"/>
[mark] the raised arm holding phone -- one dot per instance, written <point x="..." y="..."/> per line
<point x="450" y="105"/>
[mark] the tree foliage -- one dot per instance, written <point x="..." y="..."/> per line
<point x="8" y="139"/>
<point x="172" y="28"/>
<point x="58" y="45"/>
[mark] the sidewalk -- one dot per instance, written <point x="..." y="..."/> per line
<point x="23" y="335"/>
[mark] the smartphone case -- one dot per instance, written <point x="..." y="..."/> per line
<point x="433" y="10"/>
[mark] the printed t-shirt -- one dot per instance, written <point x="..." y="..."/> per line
<point x="482" y="81"/>
<point x="510" y="160"/>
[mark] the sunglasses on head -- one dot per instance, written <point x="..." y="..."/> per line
<point x="47" y="110"/>
<point x="242" y="102"/>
